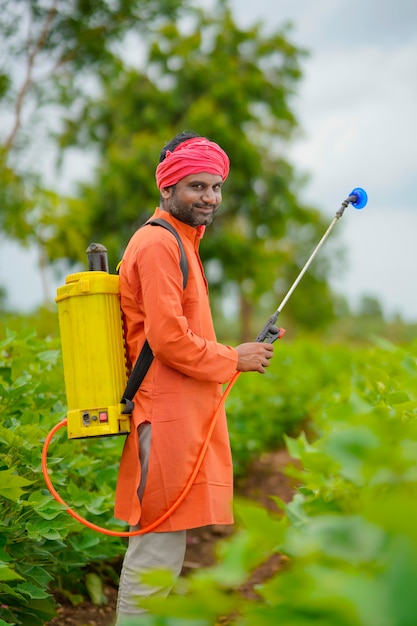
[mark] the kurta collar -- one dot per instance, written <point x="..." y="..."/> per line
<point x="194" y="234"/>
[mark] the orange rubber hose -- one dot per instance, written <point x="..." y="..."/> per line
<point x="172" y="508"/>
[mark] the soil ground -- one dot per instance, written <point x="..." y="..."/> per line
<point x="266" y="478"/>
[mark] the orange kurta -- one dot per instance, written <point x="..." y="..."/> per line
<point x="182" y="388"/>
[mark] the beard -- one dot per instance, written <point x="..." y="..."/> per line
<point x="195" y="214"/>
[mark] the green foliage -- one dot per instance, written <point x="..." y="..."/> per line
<point x="262" y="409"/>
<point x="363" y="328"/>
<point x="44" y="320"/>
<point x="349" y="533"/>
<point x="25" y="401"/>
<point x="352" y="542"/>
<point x="205" y="73"/>
<point x="233" y="85"/>
<point x="15" y="202"/>
<point x="41" y="547"/>
<point x="68" y="38"/>
<point x="53" y="54"/>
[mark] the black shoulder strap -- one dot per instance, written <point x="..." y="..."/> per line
<point x="183" y="258"/>
<point x="145" y="357"/>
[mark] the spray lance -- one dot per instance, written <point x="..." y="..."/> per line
<point x="358" y="198"/>
<point x="111" y="418"/>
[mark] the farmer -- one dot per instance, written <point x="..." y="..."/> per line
<point x="179" y="395"/>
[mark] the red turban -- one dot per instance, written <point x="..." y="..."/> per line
<point x="192" y="157"/>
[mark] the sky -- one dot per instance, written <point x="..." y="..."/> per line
<point x="356" y="107"/>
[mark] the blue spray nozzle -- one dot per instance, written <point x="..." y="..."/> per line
<point x="361" y="198"/>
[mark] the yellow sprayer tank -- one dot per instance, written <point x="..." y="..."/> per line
<point x="93" y="352"/>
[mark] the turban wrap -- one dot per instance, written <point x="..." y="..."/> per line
<point x="192" y="157"/>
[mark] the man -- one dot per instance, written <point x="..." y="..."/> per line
<point x="181" y="391"/>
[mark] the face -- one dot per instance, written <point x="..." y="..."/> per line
<point x="195" y="199"/>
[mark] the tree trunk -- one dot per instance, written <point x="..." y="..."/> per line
<point x="245" y="319"/>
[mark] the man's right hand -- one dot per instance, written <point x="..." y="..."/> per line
<point x="254" y="356"/>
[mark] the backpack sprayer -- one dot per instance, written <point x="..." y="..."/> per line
<point x="96" y="367"/>
<point x="93" y="349"/>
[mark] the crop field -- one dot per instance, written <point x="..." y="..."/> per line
<point x="346" y="533"/>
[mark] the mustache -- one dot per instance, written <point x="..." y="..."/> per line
<point x="204" y="205"/>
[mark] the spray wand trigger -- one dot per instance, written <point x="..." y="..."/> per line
<point x="270" y="332"/>
<point x="274" y="334"/>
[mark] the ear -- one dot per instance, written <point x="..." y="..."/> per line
<point x="166" y="192"/>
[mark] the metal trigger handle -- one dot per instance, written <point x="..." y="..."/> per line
<point x="273" y="334"/>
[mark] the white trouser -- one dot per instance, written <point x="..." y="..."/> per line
<point x="147" y="552"/>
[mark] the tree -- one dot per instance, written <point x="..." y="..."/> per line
<point x="370" y="307"/>
<point x="54" y="53"/>
<point x="234" y="86"/>
<point x="55" y="44"/>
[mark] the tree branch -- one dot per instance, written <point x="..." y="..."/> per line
<point x="27" y="83"/>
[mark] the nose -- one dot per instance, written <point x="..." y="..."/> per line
<point x="209" y="195"/>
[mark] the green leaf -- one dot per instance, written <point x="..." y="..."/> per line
<point x="6" y="374"/>
<point x="95" y="588"/>
<point x="351" y="448"/>
<point x="37" y="574"/>
<point x="46" y="529"/>
<point x="32" y="591"/>
<point x="348" y="538"/>
<point x="159" y="578"/>
<point x="297" y="447"/>
<point x="44" y="505"/>
<point x="39" y="611"/>
<point x="398" y="397"/>
<point x="49" y="356"/>
<point x="11" y="485"/>
<point x="8" y="574"/>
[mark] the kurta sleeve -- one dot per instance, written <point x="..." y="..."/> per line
<point x="178" y="323"/>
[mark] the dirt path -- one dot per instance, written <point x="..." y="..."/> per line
<point x="265" y="479"/>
